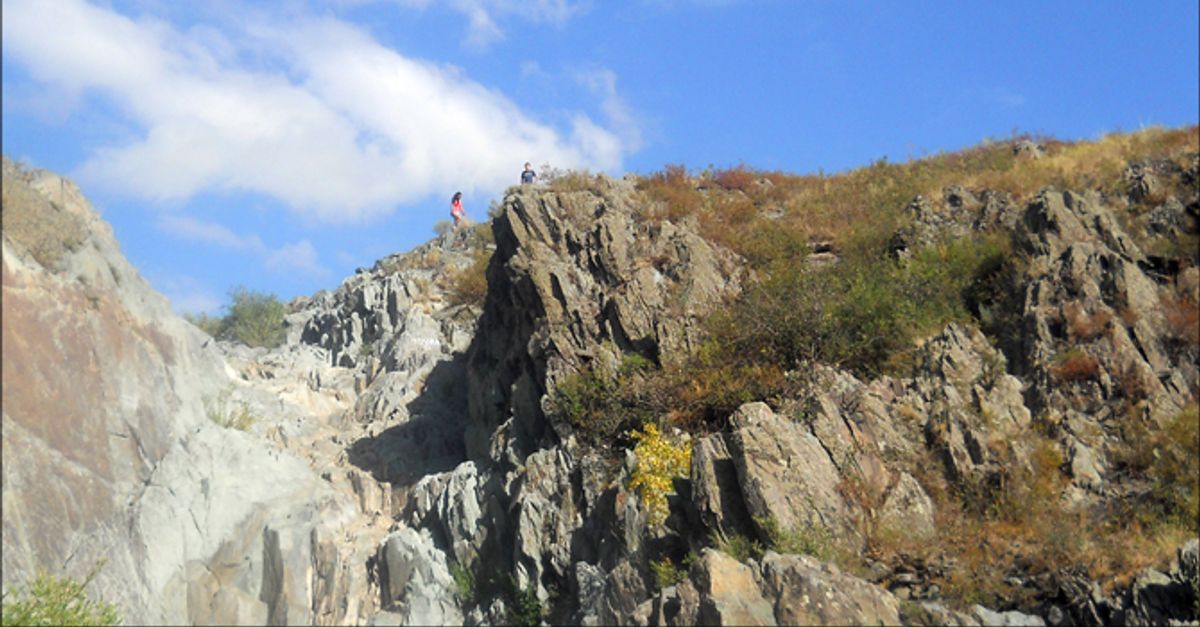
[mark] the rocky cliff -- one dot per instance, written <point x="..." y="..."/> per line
<point x="411" y="460"/>
<point x="110" y="453"/>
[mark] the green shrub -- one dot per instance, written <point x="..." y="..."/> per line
<point x="1166" y="458"/>
<point x="856" y="313"/>
<point x="255" y="318"/>
<point x="465" y="584"/>
<point x="524" y="607"/>
<point x="737" y="546"/>
<point x="209" y="324"/>
<point x="51" y="600"/>
<point x="603" y="404"/>
<point x="666" y="573"/>
<point x="230" y="415"/>
<point x="806" y="539"/>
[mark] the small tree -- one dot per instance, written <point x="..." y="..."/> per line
<point x="51" y="600"/>
<point x="255" y="319"/>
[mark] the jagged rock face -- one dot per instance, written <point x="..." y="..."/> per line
<point x="1087" y="288"/>
<point x="394" y="316"/>
<point x="577" y="280"/>
<point x="419" y="582"/>
<point x="785" y="473"/>
<point x="109" y="455"/>
<point x="960" y="212"/>
<point x="1095" y="338"/>
<point x="781" y="590"/>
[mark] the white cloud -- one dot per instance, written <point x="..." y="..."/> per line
<point x="341" y="130"/>
<point x="187" y="295"/>
<point x="289" y="258"/>
<point x="603" y="83"/>
<point x="483" y="16"/>
<point x="210" y="233"/>
<point x="298" y="257"/>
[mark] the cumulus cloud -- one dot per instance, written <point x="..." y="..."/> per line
<point x="335" y="125"/>
<point x="209" y="233"/>
<point x="300" y="256"/>
<point x="603" y="83"/>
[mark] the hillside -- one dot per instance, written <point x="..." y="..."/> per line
<point x="961" y="389"/>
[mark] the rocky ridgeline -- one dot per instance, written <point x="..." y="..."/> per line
<point x="406" y="467"/>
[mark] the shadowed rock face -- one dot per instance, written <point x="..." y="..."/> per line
<point x="577" y="280"/>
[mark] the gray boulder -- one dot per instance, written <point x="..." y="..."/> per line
<point x="420" y="589"/>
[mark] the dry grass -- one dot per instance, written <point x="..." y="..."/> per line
<point x="863" y="207"/>
<point x="671" y="193"/>
<point x="1024" y="528"/>
<point x="1182" y="313"/>
<point x="1075" y="365"/>
<point x="469" y="285"/>
<point x="45" y="229"/>
<point x="1087" y="164"/>
<point x="1083" y="326"/>
<point x="739" y="178"/>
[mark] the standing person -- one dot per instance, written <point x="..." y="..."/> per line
<point x="456" y="209"/>
<point x="528" y="176"/>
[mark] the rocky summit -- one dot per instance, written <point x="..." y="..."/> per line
<point x="670" y="399"/>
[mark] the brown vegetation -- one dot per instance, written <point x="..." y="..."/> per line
<point x="1074" y="366"/>
<point x="1085" y="327"/>
<point x="468" y="286"/>
<point x="864" y="313"/>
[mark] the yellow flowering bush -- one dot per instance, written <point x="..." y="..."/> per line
<point x="658" y="461"/>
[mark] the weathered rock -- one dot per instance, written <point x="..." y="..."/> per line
<point x="588" y="583"/>
<point x="730" y="593"/>
<point x="806" y="592"/>
<point x="420" y="589"/>
<point x="450" y="504"/>
<point x="784" y="472"/>
<point x="716" y="492"/>
<point x="677" y="605"/>
<point x="907" y="507"/>
<point x="972" y="406"/>
<point x="127" y="467"/>
<point x="547" y="516"/>
<point x="395" y="314"/>
<point x="623" y="595"/>
<point x="1013" y="619"/>
<point x="577" y="279"/>
<point x="1028" y="148"/>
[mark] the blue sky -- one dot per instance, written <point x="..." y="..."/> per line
<point x="281" y="145"/>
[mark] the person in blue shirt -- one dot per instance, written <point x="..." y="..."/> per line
<point x="528" y="176"/>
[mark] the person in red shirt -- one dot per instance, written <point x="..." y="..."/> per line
<point x="456" y="209"/>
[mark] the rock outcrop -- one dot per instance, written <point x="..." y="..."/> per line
<point x="110" y="455"/>
<point x="576" y="281"/>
